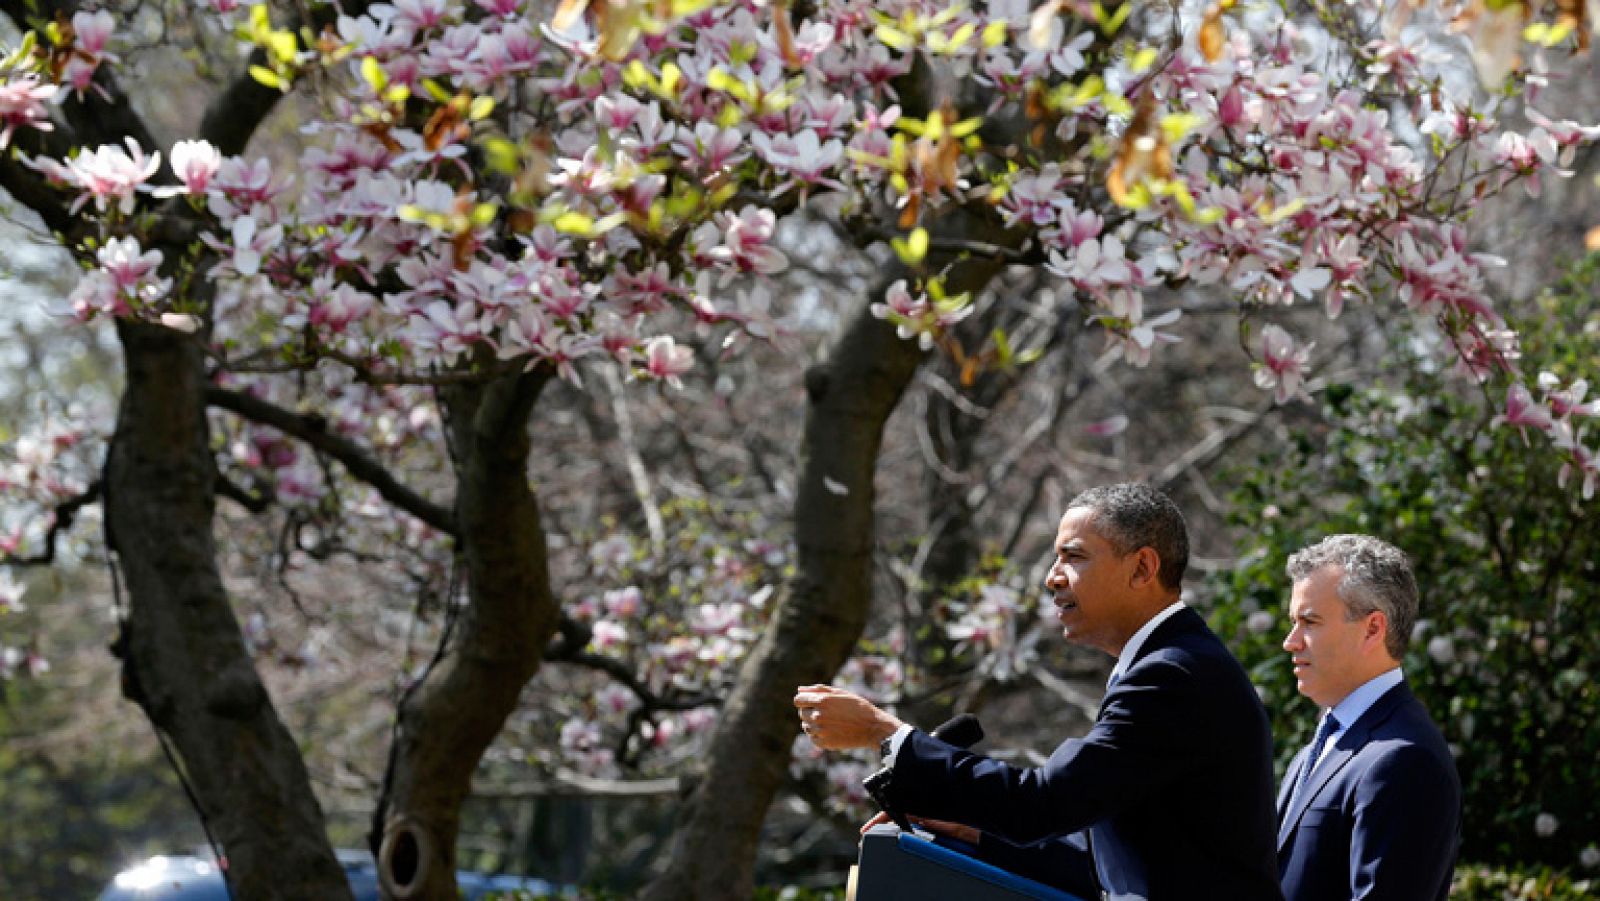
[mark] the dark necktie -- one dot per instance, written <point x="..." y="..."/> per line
<point x="1327" y="727"/>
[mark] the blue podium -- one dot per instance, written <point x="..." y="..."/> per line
<point x="901" y="866"/>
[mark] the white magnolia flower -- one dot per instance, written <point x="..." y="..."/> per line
<point x="1546" y="825"/>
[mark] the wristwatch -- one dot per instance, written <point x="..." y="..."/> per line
<point x="885" y="746"/>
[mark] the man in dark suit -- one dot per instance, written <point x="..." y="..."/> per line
<point x="1171" y="790"/>
<point x="1371" y="808"/>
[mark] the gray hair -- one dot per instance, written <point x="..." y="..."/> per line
<point x="1377" y="576"/>
<point x="1131" y="515"/>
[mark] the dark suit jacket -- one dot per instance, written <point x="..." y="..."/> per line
<point x="1381" y="817"/>
<point x="1173" y="784"/>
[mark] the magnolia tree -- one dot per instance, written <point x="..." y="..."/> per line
<point x="494" y="195"/>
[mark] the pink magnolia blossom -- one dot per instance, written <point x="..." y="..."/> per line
<point x="1567" y="403"/>
<point x="1558" y="140"/>
<point x="804" y="156"/>
<point x="1522" y="411"/>
<point x="195" y="163"/>
<point x="93" y="31"/>
<point x="1584" y="463"/>
<point x="624" y="603"/>
<point x="746" y="242"/>
<point x="1283" y="364"/>
<point x="22" y="105"/>
<point x="665" y="360"/>
<point x="710" y="149"/>
<point x="110" y="176"/>
<point x="1093" y="265"/>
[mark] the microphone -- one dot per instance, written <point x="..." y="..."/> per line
<point x="962" y="731"/>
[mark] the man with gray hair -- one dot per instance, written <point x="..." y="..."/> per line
<point x="1371" y="808"/>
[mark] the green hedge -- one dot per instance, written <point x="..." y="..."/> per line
<point x="1479" y="883"/>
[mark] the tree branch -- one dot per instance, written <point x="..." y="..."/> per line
<point x="66" y="512"/>
<point x="235" y="114"/>
<point x="569" y="648"/>
<point x="29" y="188"/>
<point x="356" y="459"/>
<point x="255" y="503"/>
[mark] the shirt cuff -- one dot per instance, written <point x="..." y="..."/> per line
<point x="895" y="741"/>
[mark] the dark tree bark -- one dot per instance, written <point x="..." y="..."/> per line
<point x="824" y="609"/>
<point x="450" y="718"/>
<point x="184" y="661"/>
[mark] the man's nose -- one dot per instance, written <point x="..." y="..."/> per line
<point x="1292" y="642"/>
<point x="1053" y="578"/>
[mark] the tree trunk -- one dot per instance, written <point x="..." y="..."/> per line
<point x="448" y="721"/>
<point x="184" y="660"/>
<point x="824" y="611"/>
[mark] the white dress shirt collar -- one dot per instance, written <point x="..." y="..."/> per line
<point x="1131" y="649"/>
<point x="1358" y="702"/>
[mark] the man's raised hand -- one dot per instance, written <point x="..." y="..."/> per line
<point x="836" y="719"/>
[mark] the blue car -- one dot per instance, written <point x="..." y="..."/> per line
<point x="165" y="878"/>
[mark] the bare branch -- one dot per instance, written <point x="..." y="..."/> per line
<point x="357" y="460"/>
<point x="66" y="512"/>
<point x="28" y="187"/>
<point x="255" y="503"/>
<point x="569" y="648"/>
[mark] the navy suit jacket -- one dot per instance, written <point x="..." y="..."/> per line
<point x="1173" y="784"/>
<point x="1381" y="817"/>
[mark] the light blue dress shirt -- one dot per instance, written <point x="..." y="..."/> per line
<point x="1356" y="704"/>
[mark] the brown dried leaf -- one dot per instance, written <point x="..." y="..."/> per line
<point x="1213" y="34"/>
<point x="780" y="24"/>
<point x="1142" y="154"/>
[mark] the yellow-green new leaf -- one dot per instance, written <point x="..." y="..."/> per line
<point x="372" y="71"/>
<point x="913" y="249"/>
<point x="267" y="77"/>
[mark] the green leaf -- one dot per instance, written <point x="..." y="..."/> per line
<point x="1177" y="126"/>
<point x="372" y="71"/>
<point x="913" y="249"/>
<point x="1142" y="58"/>
<point x="573" y="222"/>
<point x="966" y="127"/>
<point x="267" y="77"/>
<point x="671" y="77"/>
<point x="436" y="90"/>
<point x="501" y="155"/>
<point x="994" y="34"/>
<point x="481" y="107"/>
<point x="894" y="38"/>
<point x="281" y="45"/>
<point x="1112" y="24"/>
<point x="1002" y="347"/>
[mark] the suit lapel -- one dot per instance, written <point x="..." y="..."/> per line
<point x="1290" y="777"/>
<point x="1352" y="740"/>
<point x="1185" y="620"/>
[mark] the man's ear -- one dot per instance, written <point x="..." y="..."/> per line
<point x="1376" y="629"/>
<point x="1146" y="567"/>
